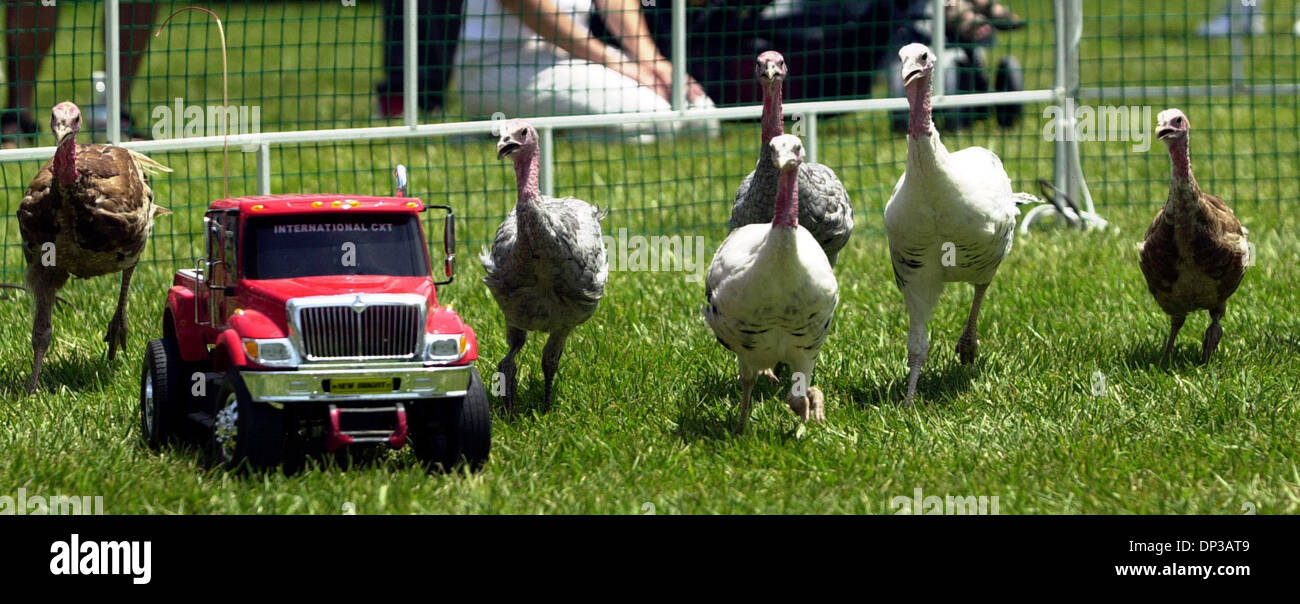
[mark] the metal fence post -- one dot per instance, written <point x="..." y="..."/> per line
<point x="410" y="67"/>
<point x="264" y="169"/>
<point x="679" y="55"/>
<point x="939" y="44"/>
<point x="112" y="68"/>
<point x="810" y="135"/>
<point x="1060" y="82"/>
<point x="548" y="161"/>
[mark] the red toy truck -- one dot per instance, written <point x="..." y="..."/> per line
<point x="313" y="324"/>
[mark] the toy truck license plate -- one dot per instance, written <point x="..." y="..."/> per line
<point x="360" y="386"/>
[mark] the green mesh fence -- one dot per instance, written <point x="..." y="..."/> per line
<point x="327" y="65"/>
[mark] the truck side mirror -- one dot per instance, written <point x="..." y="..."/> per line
<point x="448" y="243"/>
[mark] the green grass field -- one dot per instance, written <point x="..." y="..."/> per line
<point x="646" y="397"/>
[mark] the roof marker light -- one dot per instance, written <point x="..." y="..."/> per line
<point x="316" y="204"/>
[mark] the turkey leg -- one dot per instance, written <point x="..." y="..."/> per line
<point x="116" y="335"/>
<point x="516" y="338"/>
<point x="551" y="363"/>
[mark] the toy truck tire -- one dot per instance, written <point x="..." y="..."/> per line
<point x="160" y="407"/>
<point x="457" y="431"/>
<point x="245" y="434"/>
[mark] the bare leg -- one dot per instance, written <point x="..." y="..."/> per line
<point x="137" y="24"/>
<point x="747" y="379"/>
<point x="551" y="363"/>
<point x="969" y="342"/>
<point x="515" y="338"/>
<point x="25" y="48"/>
<point x="116" y="335"/>
<point x="43" y="284"/>
<point x="1175" y="324"/>
<point x="1212" y="334"/>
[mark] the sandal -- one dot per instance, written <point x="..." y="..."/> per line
<point x="966" y="25"/>
<point x="17" y="128"/>
<point x="998" y="14"/>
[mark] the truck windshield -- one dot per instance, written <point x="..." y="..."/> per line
<point x="284" y="247"/>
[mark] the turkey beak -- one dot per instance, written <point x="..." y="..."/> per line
<point x="62" y="132"/>
<point x="1165" y="132"/>
<point x="911" y="71"/>
<point x="771" y="71"/>
<point x="506" y="147"/>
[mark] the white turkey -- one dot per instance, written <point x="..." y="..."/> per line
<point x="547" y="267"/>
<point x="824" y="208"/>
<point x="772" y="293"/>
<point x="951" y="218"/>
<point x="1195" y="252"/>
<point x="88" y="212"/>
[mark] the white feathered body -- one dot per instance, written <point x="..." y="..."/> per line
<point x="964" y="199"/>
<point x="772" y="295"/>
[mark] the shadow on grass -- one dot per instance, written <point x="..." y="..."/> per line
<point x="1143" y="355"/>
<point x="528" y="399"/>
<point x="935" y="385"/>
<point x="714" y="418"/>
<point x="74" y="370"/>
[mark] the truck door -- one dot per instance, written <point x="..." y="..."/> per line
<point x="222" y="256"/>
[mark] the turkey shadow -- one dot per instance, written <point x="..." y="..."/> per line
<point x="1143" y="355"/>
<point x="714" y="418"/>
<point x="937" y="385"/>
<point x="76" y="372"/>
<point x="528" y="400"/>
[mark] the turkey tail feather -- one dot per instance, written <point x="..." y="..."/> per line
<point x="1024" y="198"/>
<point x="146" y="164"/>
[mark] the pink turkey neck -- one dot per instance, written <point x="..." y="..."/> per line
<point x="527" y="166"/>
<point x="773" y="121"/>
<point x="65" y="161"/>
<point x="787" y="199"/>
<point x="919" y="124"/>
<point x="1182" y="164"/>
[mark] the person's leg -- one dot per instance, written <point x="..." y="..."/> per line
<point x="137" y="28"/>
<point x="29" y="33"/>
<point x="573" y="87"/>
<point x="1237" y="18"/>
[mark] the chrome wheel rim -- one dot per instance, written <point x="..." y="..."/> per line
<point x="147" y="409"/>
<point x="225" y="428"/>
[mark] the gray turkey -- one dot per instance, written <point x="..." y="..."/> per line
<point x="824" y="207"/>
<point x="88" y="212"/>
<point x="1195" y="252"/>
<point x="547" y="267"/>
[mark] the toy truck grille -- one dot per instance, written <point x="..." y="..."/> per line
<point x="382" y="331"/>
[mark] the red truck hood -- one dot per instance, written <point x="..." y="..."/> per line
<point x="275" y="292"/>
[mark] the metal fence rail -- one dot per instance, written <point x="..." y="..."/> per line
<point x="318" y="132"/>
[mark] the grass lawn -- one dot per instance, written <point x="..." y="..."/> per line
<point x="646" y="397"/>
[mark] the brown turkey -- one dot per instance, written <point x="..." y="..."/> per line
<point x="87" y="213"/>
<point x="1195" y="252"/>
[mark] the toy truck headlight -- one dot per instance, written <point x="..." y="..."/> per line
<point x="273" y="351"/>
<point x="444" y="347"/>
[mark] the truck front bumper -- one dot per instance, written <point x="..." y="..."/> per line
<point x="314" y="383"/>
